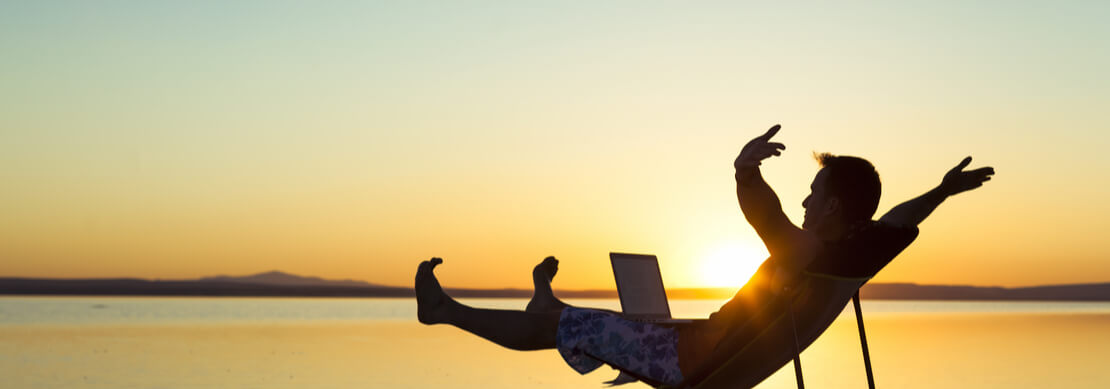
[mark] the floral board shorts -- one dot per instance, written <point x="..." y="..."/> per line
<point x="588" y="339"/>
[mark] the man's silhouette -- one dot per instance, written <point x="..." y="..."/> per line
<point x="837" y="236"/>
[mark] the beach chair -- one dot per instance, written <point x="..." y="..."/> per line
<point x="778" y="332"/>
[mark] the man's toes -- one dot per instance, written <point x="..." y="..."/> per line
<point x="425" y="268"/>
<point x="545" y="270"/>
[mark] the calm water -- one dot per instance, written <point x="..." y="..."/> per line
<point x="112" y="342"/>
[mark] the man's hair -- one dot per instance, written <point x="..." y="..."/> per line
<point x="855" y="182"/>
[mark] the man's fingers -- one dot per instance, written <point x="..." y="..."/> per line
<point x="771" y="132"/>
<point x="962" y="164"/>
<point x="770" y="150"/>
<point x="984" y="170"/>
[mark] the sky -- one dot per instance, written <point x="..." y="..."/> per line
<point x="351" y="140"/>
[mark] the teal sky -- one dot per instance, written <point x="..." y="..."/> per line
<point x="351" y="140"/>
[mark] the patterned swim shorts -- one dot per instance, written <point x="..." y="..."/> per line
<point x="588" y="338"/>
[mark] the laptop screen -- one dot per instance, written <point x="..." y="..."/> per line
<point x="640" y="285"/>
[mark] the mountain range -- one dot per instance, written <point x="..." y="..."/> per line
<point x="276" y="283"/>
<point x="276" y="277"/>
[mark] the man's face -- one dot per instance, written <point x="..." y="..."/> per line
<point x="819" y="208"/>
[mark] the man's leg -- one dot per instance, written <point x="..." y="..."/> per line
<point x="517" y="330"/>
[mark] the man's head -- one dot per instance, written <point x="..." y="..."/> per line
<point x="845" y="191"/>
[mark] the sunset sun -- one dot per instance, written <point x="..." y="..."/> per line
<point x="730" y="264"/>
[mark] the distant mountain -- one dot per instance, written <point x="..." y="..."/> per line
<point x="909" y="291"/>
<point x="275" y="277"/>
<point x="265" y="284"/>
<point x="276" y="283"/>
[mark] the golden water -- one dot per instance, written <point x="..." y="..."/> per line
<point x="949" y="348"/>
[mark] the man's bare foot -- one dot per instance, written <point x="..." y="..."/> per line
<point x="543" y="299"/>
<point x="431" y="301"/>
<point x="545" y="271"/>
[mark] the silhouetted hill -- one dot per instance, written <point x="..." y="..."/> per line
<point x="276" y="277"/>
<point x="283" y="284"/>
<point x="906" y="291"/>
<point x="138" y="287"/>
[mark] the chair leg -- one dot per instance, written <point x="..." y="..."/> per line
<point x="863" y="341"/>
<point x="797" y="350"/>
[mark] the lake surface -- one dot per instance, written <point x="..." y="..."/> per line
<point x="126" y="342"/>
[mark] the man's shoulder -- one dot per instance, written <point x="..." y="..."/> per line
<point x="799" y="243"/>
<point x="797" y="253"/>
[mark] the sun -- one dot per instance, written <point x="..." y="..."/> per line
<point x="730" y="265"/>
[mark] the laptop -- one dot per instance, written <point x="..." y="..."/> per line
<point x="640" y="287"/>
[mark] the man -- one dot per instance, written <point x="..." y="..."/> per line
<point x="837" y="231"/>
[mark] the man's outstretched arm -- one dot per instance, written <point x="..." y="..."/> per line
<point x="760" y="204"/>
<point x="913" y="212"/>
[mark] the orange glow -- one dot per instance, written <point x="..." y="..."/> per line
<point x="355" y="141"/>
<point x="730" y="265"/>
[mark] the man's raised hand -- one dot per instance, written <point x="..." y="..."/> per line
<point x="957" y="180"/>
<point x="759" y="149"/>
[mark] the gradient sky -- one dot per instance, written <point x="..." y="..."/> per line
<point x="343" y="140"/>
